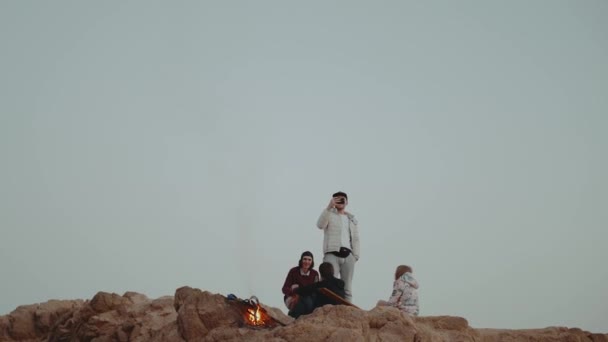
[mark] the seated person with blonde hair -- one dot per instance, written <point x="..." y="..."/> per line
<point x="405" y="292"/>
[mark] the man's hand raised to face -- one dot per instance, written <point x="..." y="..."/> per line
<point x="332" y="203"/>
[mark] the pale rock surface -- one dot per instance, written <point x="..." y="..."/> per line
<point x="195" y="315"/>
<point x="110" y="317"/>
<point x="29" y="322"/>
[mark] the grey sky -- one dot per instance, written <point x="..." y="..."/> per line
<point x="147" y="146"/>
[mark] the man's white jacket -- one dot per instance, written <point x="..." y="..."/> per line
<point x="331" y="223"/>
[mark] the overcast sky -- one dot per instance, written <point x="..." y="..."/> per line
<point x="146" y="146"/>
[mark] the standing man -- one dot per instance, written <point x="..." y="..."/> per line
<point x="340" y="240"/>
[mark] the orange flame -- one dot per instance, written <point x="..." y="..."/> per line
<point x="255" y="316"/>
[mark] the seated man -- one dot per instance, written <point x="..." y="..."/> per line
<point x="301" y="275"/>
<point x="311" y="299"/>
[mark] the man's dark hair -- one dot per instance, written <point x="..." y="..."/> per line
<point x="307" y="253"/>
<point x="327" y="270"/>
<point x="340" y="193"/>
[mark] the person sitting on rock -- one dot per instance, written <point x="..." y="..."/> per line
<point x="298" y="276"/>
<point x="405" y="292"/>
<point x="310" y="298"/>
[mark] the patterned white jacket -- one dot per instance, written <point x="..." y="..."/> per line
<point x="331" y="223"/>
<point x="405" y="294"/>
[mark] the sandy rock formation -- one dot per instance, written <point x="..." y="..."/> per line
<point x="29" y="322"/>
<point x="110" y="317"/>
<point x="541" y="335"/>
<point x="195" y="315"/>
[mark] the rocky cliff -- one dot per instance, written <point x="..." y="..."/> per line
<point x="195" y="315"/>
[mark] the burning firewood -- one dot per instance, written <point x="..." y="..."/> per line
<point x="254" y="315"/>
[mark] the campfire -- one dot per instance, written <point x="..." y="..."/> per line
<point x="254" y="315"/>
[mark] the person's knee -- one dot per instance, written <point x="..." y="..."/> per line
<point x="309" y="304"/>
<point x="297" y="310"/>
<point x="304" y="307"/>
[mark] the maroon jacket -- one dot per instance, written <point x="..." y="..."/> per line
<point x="295" y="277"/>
